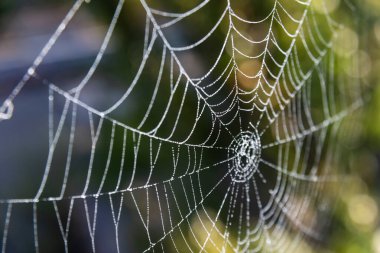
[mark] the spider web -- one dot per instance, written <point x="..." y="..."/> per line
<point x="233" y="154"/>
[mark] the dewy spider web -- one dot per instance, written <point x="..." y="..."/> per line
<point x="234" y="159"/>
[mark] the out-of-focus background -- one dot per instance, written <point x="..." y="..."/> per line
<point x="25" y="27"/>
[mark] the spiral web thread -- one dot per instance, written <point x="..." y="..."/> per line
<point x="275" y="114"/>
